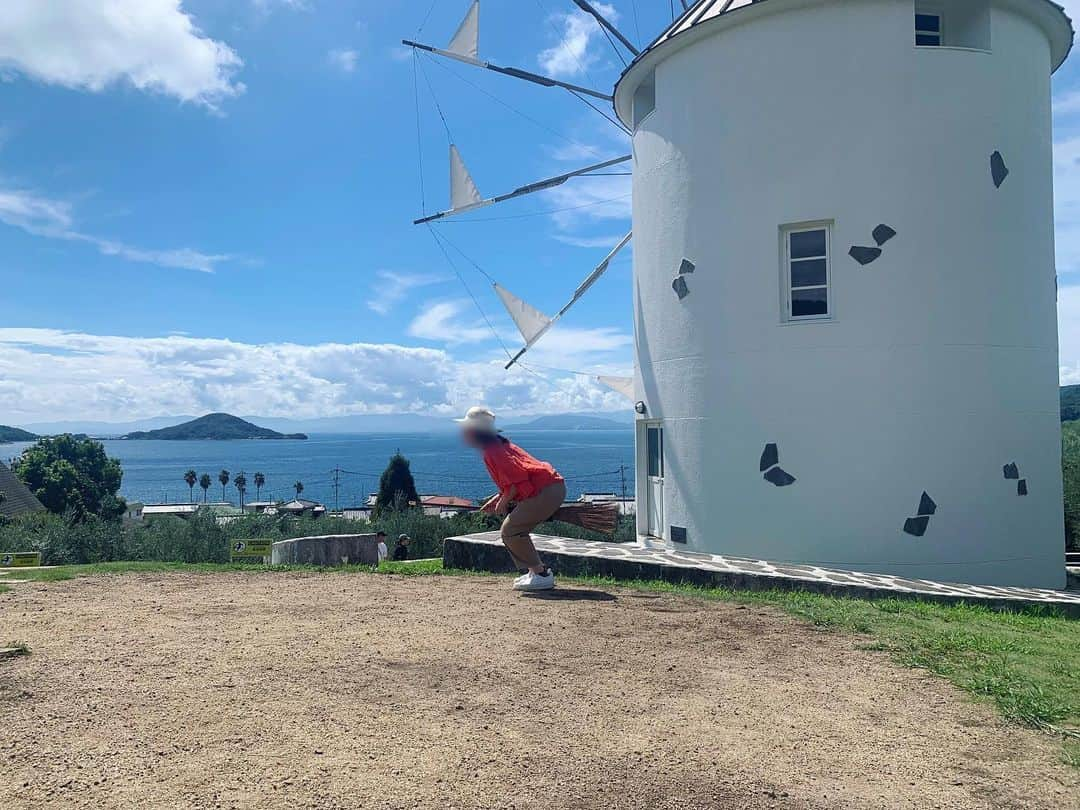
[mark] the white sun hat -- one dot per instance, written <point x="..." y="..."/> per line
<point x="478" y="418"/>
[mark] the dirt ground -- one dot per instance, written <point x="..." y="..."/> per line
<point x="364" y="691"/>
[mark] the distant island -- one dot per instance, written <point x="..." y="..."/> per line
<point x="12" y="434"/>
<point x="217" y="426"/>
<point x="571" y="421"/>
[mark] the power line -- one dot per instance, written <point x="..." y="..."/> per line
<point x="442" y="65"/>
<point x="438" y="240"/>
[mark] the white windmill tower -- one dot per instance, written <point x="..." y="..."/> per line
<point x="844" y="283"/>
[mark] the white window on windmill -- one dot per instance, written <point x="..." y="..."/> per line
<point x="806" y="273"/>
<point x="959" y="24"/>
<point x="928" y="28"/>
<point x="644" y="99"/>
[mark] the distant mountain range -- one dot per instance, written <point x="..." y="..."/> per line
<point x="359" y="423"/>
<point x="572" y="421"/>
<point x="11" y="434"/>
<point x="218" y="426"/>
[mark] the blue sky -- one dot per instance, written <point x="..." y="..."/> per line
<point x="209" y="207"/>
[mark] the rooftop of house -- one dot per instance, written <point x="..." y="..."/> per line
<point x="446" y="500"/>
<point x="17" y="498"/>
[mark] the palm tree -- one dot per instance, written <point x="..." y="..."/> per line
<point x="299" y="487"/>
<point x="223" y="477"/>
<point x="241" y="487"/>
<point x="204" y="482"/>
<point x="191" y="478"/>
<point x="260" y="482"/>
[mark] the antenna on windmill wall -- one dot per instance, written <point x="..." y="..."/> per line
<point x="465" y="196"/>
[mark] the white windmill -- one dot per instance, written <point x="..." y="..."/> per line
<point x="844" y="281"/>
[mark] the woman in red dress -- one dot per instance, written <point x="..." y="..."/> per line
<point x="530" y="492"/>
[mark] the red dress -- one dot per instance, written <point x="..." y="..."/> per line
<point x="510" y="466"/>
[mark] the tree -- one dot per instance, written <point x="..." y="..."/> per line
<point x="299" y="487"/>
<point x="204" y="482"/>
<point x="223" y="477"/>
<point x="191" y="478"/>
<point x="241" y="486"/>
<point x="72" y="475"/>
<point x="397" y="489"/>
<point x="260" y="482"/>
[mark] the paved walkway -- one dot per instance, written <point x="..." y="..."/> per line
<point x="626" y="561"/>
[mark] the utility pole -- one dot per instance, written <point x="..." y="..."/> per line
<point x="337" y="486"/>
<point x="622" y="477"/>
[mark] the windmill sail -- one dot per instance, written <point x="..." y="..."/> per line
<point x="465" y="47"/>
<point x="463" y="191"/>
<point x="531" y="322"/>
<point x="620" y="385"/>
<point x="466" y="41"/>
<point x="580" y="291"/>
<point x="458" y="168"/>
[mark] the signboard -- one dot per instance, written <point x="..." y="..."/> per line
<point x="250" y="549"/>
<point x="20" y="559"/>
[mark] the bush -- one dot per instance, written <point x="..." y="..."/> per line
<point x="67" y="541"/>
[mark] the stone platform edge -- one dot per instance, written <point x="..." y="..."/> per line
<point x="484" y="552"/>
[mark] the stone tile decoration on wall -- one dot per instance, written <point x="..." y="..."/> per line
<point x="485" y="552"/>
<point x="882" y="234"/>
<point x="865" y="255"/>
<point x="679" y="284"/>
<point x="998" y="170"/>
<point x="1012" y="473"/>
<point x="770" y="458"/>
<point x="917" y="526"/>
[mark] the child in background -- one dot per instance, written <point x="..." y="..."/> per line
<point x="401" y="550"/>
<point x="383" y="551"/>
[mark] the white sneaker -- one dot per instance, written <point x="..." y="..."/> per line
<point x="535" y="582"/>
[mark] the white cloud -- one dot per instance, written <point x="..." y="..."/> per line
<point x="344" y="60"/>
<point x="450" y="322"/>
<point x="1067" y="205"/>
<point x="602" y="241"/>
<point x="153" y="45"/>
<point x="585" y="201"/>
<point x="53" y="219"/>
<point x="269" y="5"/>
<point x="391" y="287"/>
<point x="571" y="55"/>
<point x="48" y="374"/>
<point x="1069" y="334"/>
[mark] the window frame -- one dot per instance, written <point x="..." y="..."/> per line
<point x="786" y="287"/>
<point x="929" y="11"/>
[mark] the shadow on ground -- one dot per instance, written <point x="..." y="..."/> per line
<point x="576" y="595"/>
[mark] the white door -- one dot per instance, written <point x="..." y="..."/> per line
<point x="654" y="481"/>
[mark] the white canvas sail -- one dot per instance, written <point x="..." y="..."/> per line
<point x="466" y="41"/>
<point x="620" y="385"/>
<point x="463" y="191"/>
<point x="531" y="322"/>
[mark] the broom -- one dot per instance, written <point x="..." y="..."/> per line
<point x="600" y="516"/>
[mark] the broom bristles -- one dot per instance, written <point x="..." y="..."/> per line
<point x="600" y="517"/>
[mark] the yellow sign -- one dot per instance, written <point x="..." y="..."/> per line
<point x="248" y="549"/>
<point x="20" y="559"/>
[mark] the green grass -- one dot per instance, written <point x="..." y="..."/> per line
<point x="1026" y="663"/>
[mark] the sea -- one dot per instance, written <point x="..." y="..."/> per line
<point x="590" y="460"/>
